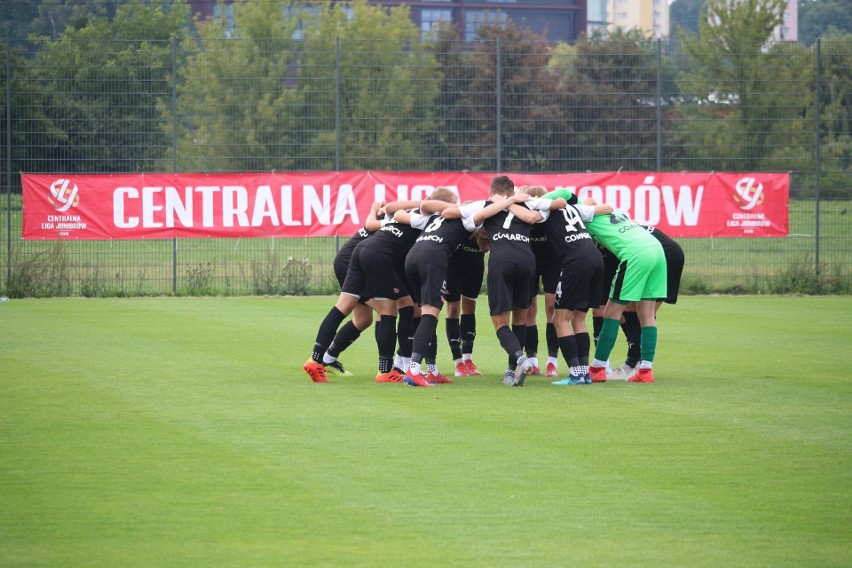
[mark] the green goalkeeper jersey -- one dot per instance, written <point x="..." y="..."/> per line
<point x="616" y="231"/>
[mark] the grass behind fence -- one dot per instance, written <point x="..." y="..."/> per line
<point x="299" y="266"/>
<point x="183" y="432"/>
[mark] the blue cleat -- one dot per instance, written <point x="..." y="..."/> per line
<point x="571" y="380"/>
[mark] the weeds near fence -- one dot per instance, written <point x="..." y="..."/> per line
<point x="272" y="277"/>
<point x="41" y="275"/>
<point x="98" y="285"/>
<point x="199" y="280"/>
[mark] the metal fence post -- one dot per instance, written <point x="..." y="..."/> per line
<point x="498" y="91"/>
<point x="659" y="105"/>
<point x="8" y="162"/>
<point x="174" y="152"/>
<point x="817" y="143"/>
<point x="337" y="105"/>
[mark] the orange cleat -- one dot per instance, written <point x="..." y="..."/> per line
<point x="393" y="376"/>
<point x="642" y="376"/>
<point x="316" y="371"/>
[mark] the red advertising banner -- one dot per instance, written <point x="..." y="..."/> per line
<point x="297" y="204"/>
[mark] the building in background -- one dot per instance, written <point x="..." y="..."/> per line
<point x="597" y="18"/>
<point x="789" y="30"/>
<point x="650" y="16"/>
<point x="557" y="20"/>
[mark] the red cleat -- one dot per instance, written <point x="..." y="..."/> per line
<point x="642" y="376"/>
<point x="461" y="369"/>
<point x="534" y="371"/>
<point x="316" y="371"/>
<point x="472" y="371"/>
<point x="551" y="370"/>
<point x="438" y="379"/>
<point x="416" y="380"/>
<point x="597" y="374"/>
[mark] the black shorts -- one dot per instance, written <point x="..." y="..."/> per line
<point x="371" y="274"/>
<point x="610" y="267"/>
<point x="510" y="286"/>
<point x="428" y="283"/>
<point x="548" y="274"/>
<point x="674" y="269"/>
<point x="464" y="277"/>
<point x="580" y="289"/>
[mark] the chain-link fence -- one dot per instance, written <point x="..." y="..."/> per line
<point x="231" y="105"/>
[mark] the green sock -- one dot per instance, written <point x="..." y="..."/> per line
<point x="606" y="339"/>
<point x="648" y="345"/>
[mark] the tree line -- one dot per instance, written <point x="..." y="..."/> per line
<point x="355" y="86"/>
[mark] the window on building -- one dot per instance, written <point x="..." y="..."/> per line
<point x="225" y="12"/>
<point x="431" y="19"/>
<point x="476" y="18"/>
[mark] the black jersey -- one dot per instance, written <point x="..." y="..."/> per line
<point x="540" y="245"/>
<point x="569" y="239"/>
<point x="438" y="240"/>
<point x="670" y="246"/>
<point x="395" y="239"/>
<point x="509" y="236"/>
<point x="344" y="254"/>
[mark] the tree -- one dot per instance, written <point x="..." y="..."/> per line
<point x="386" y="88"/>
<point x="685" y="15"/>
<point x="102" y="83"/>
<point x="608" y="84"/>
<point x="507" y="70"/>
<point x="236" y="99"/>
<point x="729" y="81"/>
<point x="276" y="93"/>
<point x="817" y="17"/>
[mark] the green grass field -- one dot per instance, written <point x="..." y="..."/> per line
<point x="183" y="432"/>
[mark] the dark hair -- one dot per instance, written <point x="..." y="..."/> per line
<point x="502" y="185"/>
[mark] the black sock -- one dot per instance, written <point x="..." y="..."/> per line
<point x="325" y="334"/>
<point x="432" y="351"/>
<point x="344" y="338"/>
<point x="597" y="325"/>
<point x="552" y="341"/>
<point x="405" y="331"/>
<point x="568" y="346"/>
<point x="468" y="332"/>
<point x="387" y="340"/>
<point x="424" y="334"/>
<point x="510" y="344"/>
<point x="584" y="346"/>
<point x="454" y="337"/>
<point x="521" y="332"/>
<point x="531" y="341"/>
<point x="633" y="333"/>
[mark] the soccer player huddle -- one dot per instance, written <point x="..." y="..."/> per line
<point x="412" y="257"/>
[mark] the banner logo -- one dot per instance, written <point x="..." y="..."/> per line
<point x="64" y="197"/>
<point x="748" y="193"/>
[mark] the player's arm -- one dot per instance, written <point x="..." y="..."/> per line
<point x="498" y="204"/>
<point x="402" y="216"/>
<point x="432" y="206"/>
<point x="394" y="206"/>
<point x="373" y="224"/>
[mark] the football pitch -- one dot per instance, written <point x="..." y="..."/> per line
<point x="183" y="432"/>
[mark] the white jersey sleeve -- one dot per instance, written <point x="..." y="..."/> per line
<point x="418" y="220"/>
<point x="587" y="212"/>
<point x="468" y="210"/>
